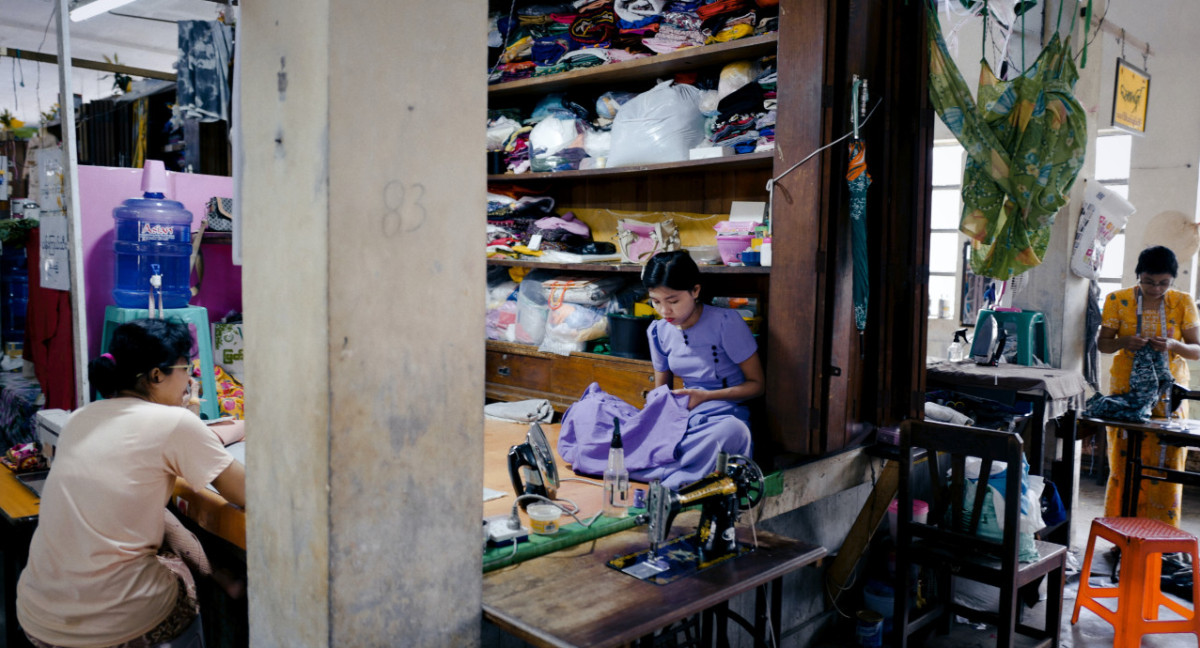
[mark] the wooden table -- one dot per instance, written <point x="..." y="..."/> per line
<point x="1050" y="392"/>
<point x="1184" y="433"/>
<point x="572" y="598"/>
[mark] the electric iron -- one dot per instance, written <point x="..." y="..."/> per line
<point x="531" y="466"/>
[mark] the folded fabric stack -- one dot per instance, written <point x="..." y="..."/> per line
<point x="765" y="123"/>
<point x="515" y="216"/>
<point x="537" y="40"/>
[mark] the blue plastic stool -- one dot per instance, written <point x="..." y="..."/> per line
<point x="197" y="316"/>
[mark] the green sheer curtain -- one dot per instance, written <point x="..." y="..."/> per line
<point x="1025" y="140"/>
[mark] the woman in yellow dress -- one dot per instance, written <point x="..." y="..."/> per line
<point x="1169" y="323"/>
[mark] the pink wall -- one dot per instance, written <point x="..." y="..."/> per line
<point x="103" y="188"/>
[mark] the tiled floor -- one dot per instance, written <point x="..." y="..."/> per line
<point x="1091" y="631"/>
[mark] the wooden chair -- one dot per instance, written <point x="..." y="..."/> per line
<point x="950" y="543"/>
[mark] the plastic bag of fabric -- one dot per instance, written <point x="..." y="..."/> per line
<point x="589" y="291"/>
<point x="991" y="522"/>
<point x="532" y="308"/>
<point x="501" y="319"/>
<point x="659" y="125"/>
<point x="552" y="135"/>
<point x="609" y="103"/>
<point x="569" y="326"/>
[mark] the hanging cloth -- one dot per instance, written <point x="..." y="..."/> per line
<point x="858" y="180"/>
<point x="202" y="89"/>
<point x="1025" y="141"/>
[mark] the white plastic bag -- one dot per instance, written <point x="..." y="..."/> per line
<point x="532" y="308"/>
<point x="570" y="325"/>
<point x="551" y="135"/>
<point x="659" y="125"/>
<point x="991" y="523"/>
<point x="1102" y="217"/>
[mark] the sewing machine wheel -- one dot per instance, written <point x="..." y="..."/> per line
<point x="743" y="470"/>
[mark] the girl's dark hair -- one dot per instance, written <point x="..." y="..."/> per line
<point x="135" y="349"/>
<point x="1157" y="260"/>
<point x="675" y="270"/>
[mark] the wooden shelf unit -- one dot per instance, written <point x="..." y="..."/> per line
<point x="796" y="324"/>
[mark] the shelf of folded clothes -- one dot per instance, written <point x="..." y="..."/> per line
<point x="617" y="267"/>
<point x="762" y="160"/>
<point x="648" y="67"/>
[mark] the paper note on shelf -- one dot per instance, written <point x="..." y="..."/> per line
<point x="747" y="212"/>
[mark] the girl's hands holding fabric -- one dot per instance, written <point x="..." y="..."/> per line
<point x="695" y="396"/>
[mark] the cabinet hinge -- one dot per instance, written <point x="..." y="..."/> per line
<point x="835" y="371"/>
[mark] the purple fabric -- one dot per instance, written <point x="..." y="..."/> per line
<point x="664" y="440"/>
<point x="707" y="355"/>
<point x="649" y="435"/>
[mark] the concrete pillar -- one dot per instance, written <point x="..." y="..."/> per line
<point x="362" y="206"/>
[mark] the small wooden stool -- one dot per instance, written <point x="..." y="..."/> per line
<point x="1142" y="543"/>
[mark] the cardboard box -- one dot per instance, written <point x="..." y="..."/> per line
<point x="228" y="346"/>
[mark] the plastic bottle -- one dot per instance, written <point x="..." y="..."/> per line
<point x="152" y="230"/>
<point x="616" y="478"/>
<point x="765" y="260"/>
<point x="957" y="349"/>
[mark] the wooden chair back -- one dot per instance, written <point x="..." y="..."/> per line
<point x="948" y="522"/>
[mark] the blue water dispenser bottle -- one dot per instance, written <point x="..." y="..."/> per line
<point x="152" y="234"/>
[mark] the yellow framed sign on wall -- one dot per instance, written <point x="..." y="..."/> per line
<point x="1130" y="98"/>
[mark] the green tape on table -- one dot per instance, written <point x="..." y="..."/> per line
<point x="773" y="484"/>
<point x="568" y="535"/>
<point x="574" y="533"/>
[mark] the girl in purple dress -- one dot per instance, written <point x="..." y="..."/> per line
<point x="677" y="436"/>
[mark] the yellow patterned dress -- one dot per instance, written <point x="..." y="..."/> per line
<point x="1156" y="500"/>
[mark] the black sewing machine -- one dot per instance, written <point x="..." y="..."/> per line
<point x="735" y="486"/>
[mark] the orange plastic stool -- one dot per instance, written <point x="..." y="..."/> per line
<point x="1142" y="543"/>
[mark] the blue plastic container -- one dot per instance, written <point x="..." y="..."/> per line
<point x="152" y="231"/>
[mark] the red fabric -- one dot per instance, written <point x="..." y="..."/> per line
<point x="48" y="334"/>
